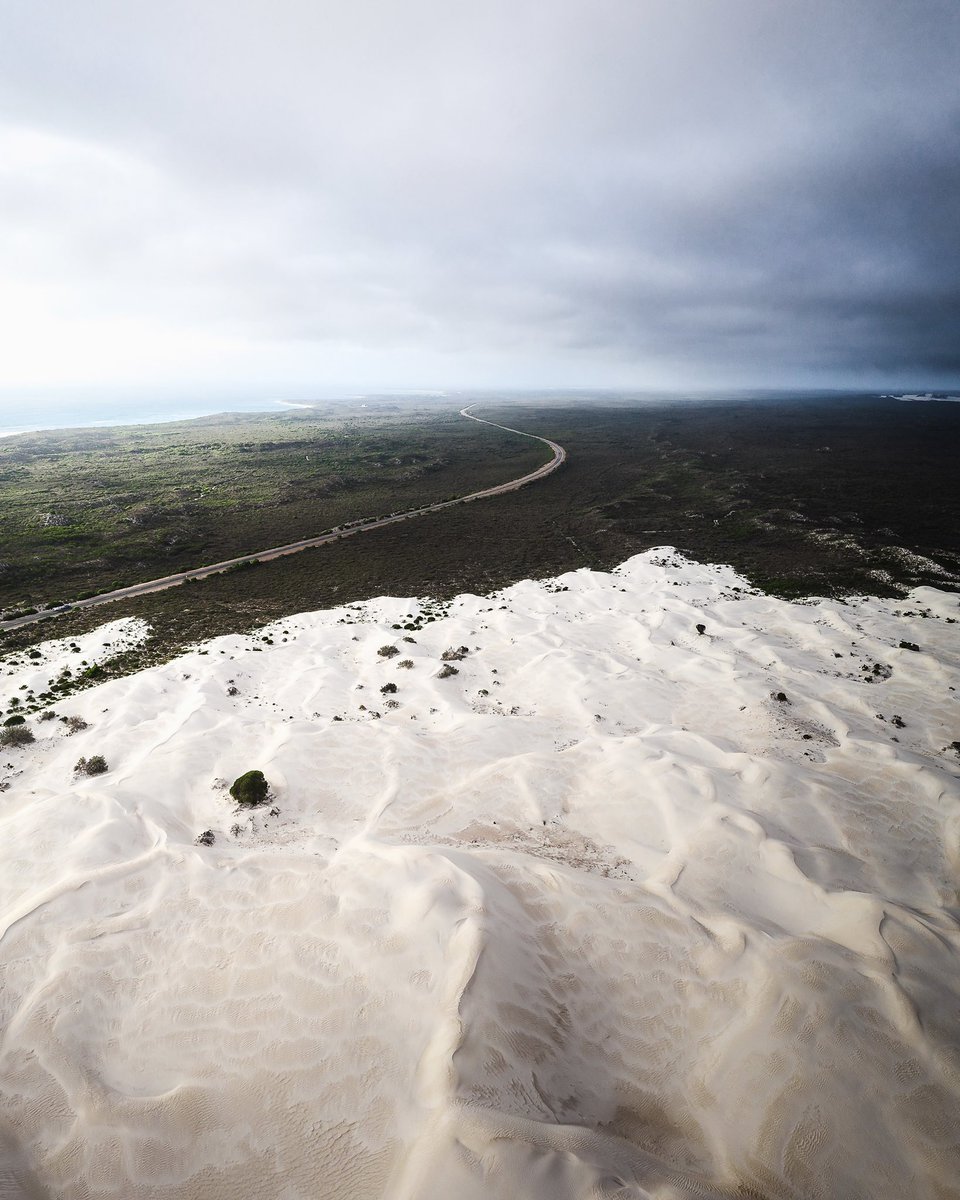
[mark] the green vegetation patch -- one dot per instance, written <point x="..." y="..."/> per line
<point x="250" y="789"/>
<point x="804" y="497"/>
<point x="87" y="511"/>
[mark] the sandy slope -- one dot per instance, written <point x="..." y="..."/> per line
<point x="597" y="916"/>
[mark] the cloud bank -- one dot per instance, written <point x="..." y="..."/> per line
<point x="299" y="197"/>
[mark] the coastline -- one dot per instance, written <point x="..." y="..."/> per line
<point x="130" y="418"/>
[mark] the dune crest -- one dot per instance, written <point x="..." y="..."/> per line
<point x="647" y="889"/>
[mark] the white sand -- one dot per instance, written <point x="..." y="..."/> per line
<point x="626" y="925"/>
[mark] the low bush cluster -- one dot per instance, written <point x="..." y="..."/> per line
<point x="16" y="735"/>
<point x="96" y="764"/>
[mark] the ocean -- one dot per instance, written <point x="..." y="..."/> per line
<point x="28" y="417"/>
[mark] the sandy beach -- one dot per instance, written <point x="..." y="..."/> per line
<point x="653" y="893"/>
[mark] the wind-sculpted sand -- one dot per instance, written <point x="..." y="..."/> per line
<point x="598" y="916"/>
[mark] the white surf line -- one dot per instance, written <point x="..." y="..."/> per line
<point x="341" y="531"/>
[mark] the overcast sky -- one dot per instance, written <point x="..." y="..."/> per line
<point x="295" y="197"/>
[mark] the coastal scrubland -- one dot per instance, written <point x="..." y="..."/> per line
<point x="806" y="496"/>
<point x="90" y="509"/>
<point x="639" y="878"/>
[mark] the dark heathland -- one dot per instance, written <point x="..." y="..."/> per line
<point x="805" y="496"/>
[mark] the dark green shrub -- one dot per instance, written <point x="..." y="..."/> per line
<point x="250" y="789"/>
<point x="14" y="720"/>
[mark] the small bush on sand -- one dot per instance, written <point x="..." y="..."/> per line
<point x="14" y="720"/>
<point x="446" y="671"/>
<point x="250" y="789"/>
<point x="455" y="654"/>
<point x="388" y="688"/>
<point x="16" y="735"/>
<point x="96" y="764"/>
<point x="75" y="724"/>
<point x="388" y="651"/>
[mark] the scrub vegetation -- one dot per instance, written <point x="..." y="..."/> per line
<point x="85" y="511"/>
<point x="805" y="497"/>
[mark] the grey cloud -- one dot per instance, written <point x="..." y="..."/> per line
<point x="746" y="192"/>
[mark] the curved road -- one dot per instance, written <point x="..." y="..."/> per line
<point x="168" y="581"/>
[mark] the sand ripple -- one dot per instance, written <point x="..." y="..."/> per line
<point x="620" y="910"/>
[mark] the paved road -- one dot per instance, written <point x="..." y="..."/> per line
<point x="168" y="581"/>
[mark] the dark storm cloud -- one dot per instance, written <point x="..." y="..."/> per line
<point x="615" y="192"/>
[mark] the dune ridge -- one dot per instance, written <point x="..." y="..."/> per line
<point x="656" y="896"/>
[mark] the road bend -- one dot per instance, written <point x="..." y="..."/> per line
<point x="351" y="529"/>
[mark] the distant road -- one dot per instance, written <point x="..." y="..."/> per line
<point x="169" y="581"/>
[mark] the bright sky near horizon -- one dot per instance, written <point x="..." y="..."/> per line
<point x="300" y="197"/>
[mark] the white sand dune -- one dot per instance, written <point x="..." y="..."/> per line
<point x="598" y="916"/>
